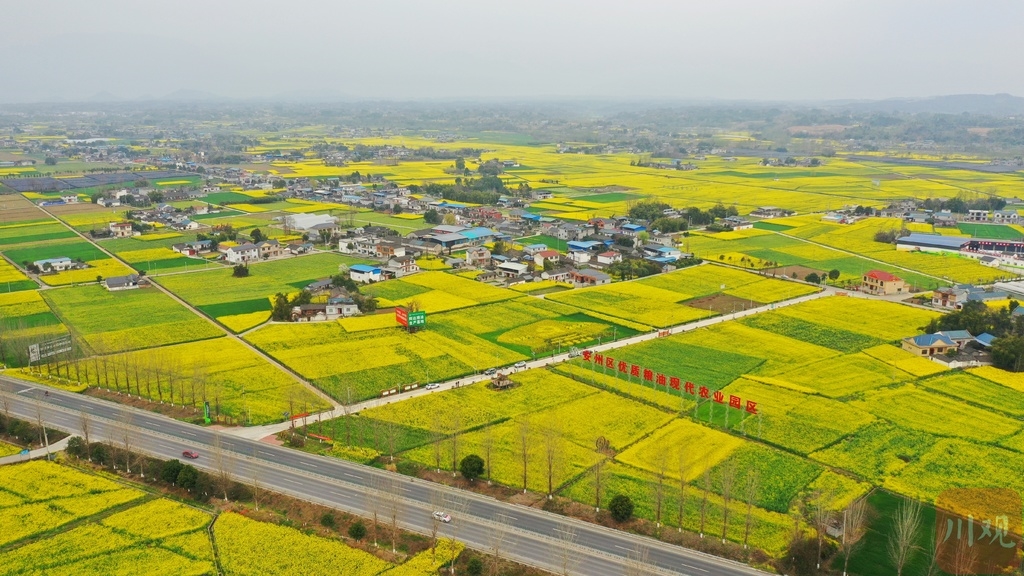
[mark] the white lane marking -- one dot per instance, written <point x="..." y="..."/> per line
<point x="691" y="567"/>
<point x="352" y="475"/>
<point x="313" y="465"/>
<point x="23" y="390"/>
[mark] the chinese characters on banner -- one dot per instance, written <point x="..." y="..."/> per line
<point x="673" y="382"/>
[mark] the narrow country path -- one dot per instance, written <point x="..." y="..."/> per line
<point x="295" y="376"/>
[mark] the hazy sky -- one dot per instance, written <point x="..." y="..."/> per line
<point x="415" y="49"/>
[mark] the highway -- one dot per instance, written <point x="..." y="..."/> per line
<point x="527" y="535"/>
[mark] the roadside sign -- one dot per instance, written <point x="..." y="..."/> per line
<point x="402" y="316"/>
<point x="41" y="350"/>
<point x="417" y="319"/>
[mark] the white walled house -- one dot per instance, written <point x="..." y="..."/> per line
<point x="242" y="253"/>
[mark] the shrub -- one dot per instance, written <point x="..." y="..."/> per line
<point x="357" y="531"/>
<point x="475" y="567"/>
<point x="621" y="508"/>
<point x="328" y="521"/>
<point x="76" y="447"/>
<point x="170" y="470"/>
<point x="472" y="467"/>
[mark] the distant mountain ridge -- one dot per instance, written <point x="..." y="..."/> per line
<point x="990" y="104"/>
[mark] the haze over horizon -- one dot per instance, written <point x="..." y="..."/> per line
<point x="403" y="50"/>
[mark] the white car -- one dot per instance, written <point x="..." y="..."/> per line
<point x="446" y="518"/>
<point x="521" y="364"/>
<point x="432" y="386"/>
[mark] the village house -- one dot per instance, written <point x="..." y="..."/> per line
<point x="1005" y="216"/>
<point x="882" y="283"/>
<point x="632" y="229"/>
<point x="303" y="248"/>
<point x="121" y="229"/>
<point x="364" y="274"/>
<point x="978" y="216"/>
<point x="402" y="266"/>
<point x="929" y="344"/>
<point x="512" y="269"/>
<point x="269" y="249"/>
<point x="59" y="264"/>
<point x="242" y="253"/>
<point x="129" y="282"/>
<point x="478" y="256"/>
<point x="389" y="249"/>
<point x="316" y="312"/>
<point x="557" y="275"/>
<point x="589" y="277"/>
<point x="540" y="257"/>
<point x="609" y="257"/>
<point x="69" y="198"/>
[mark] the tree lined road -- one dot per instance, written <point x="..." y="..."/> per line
<point x="527" y="535"/>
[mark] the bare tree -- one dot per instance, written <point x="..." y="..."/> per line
<point x="565" y="552"/>
<point x="598" y="483"/>
<point x="436" y="504"/>
<point x="346" y="410"/>
<point x="488" y="445"/>
<point x="436" y="437"/>
<point x="661" y="466"/>
<point x="965" y="556"/>
<point x="681" y="463"/>
<point x="854" y="525"/>
<point x="43" y="438"/>
<point x="638" y="561"/>
<point x="257" y="478"/>
<point x="553" y="448"/>
<point x="222" y="464"/>
<point x="454" y="427"/>
<point x="705" y="488"/>
<point x="374" y="502"/>
<point x="126" y="436"/>
<point x="5" y="405"/>
<point x="457" y="505"/>
<point x="85" y="423"/>
<point x="393" y="504"/>
<point x="497" y="539"/>
<point x="392" y="434"/>
<point x="750" y="492"/>
<point x="524" y="445"/>
<point x="906" y="523"/>
<point x="728" y="479"/>
<point x="821" y="516"/>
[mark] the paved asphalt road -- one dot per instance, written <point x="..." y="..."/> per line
<point x="528" y="535"/>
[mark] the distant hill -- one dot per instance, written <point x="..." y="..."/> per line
<point x="990" y="104"/>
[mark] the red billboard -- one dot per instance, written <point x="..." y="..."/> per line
<point x="402" y="316"/>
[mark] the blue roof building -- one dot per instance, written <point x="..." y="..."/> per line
<point x="582" y="245"/>
<point x="985" y="339"/>
<point x="364" y="269"/>
<point x="477" y="233"/>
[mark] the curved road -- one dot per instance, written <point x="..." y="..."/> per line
<point x="527" y="535"/>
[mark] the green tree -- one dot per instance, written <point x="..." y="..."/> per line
<point x="282" y="311"/>
<point x="813" y="278"/>
<point x="460" y="163"/>
<point x="621" y="508"/>
<point x="357" y="531"/>
<point x="257" y="235"/>
<point x="50" y="161"/>
<point x="471" y="467"/>
<point x="156" y="197"/>
<point x="188" y="477"/>
<point x="170" y="470"/>
<point x="327" y="520"/>
<point x="499" y="248"/>
<point x="431" y="217"/>
<point x="1008" y="353"/>
<point x="239" y="271"/>
<point x="833" y="274"/>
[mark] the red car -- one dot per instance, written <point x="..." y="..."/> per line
<point x="190" y="454"/>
